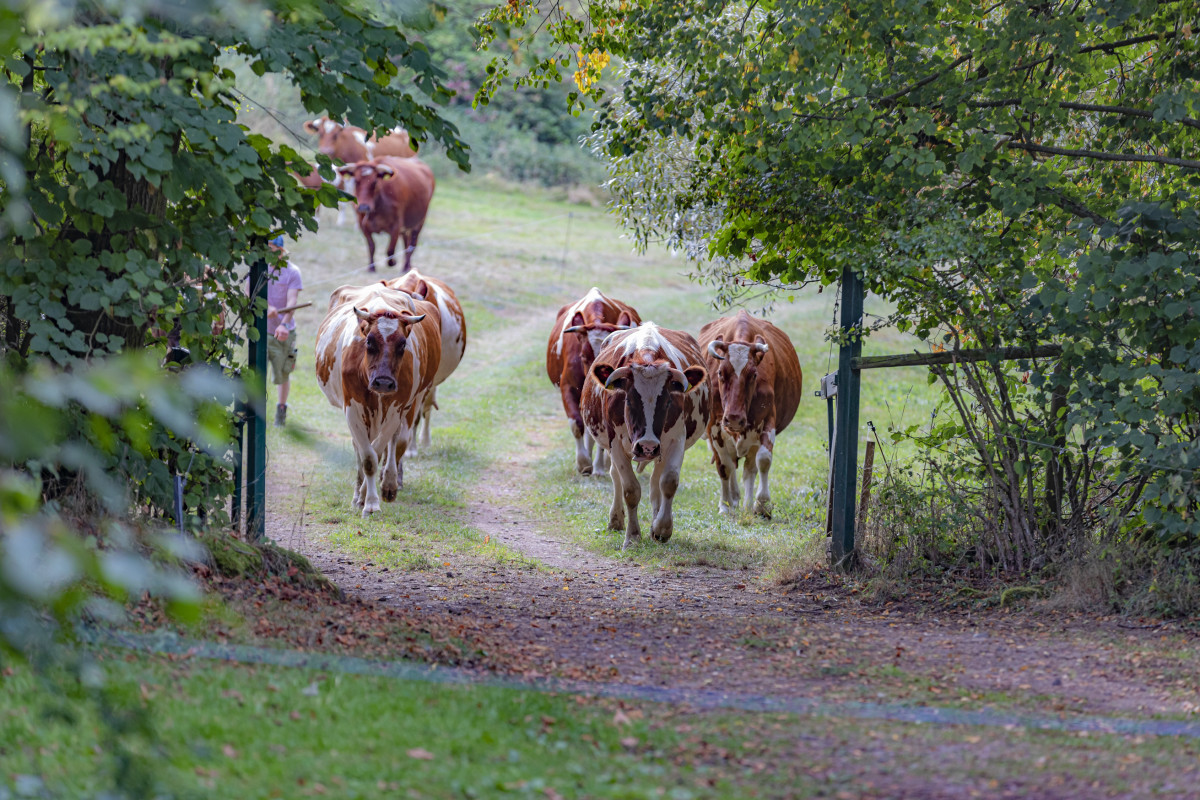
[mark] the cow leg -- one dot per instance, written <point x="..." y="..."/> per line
<point x="358" y="488"/>
<point x="626" y="487"/>
<point x="583" y="459"/>
<point x="390" y="483"/>
<point x="600" y="462"/>
<point x="426" y="413"/>
<point x="616" y="514"/>
<point x="766" y="454"/>
<point x="410" y="244"/>
<point x="393" y="237"/>
<point x="368" y="462"/>
<point x="726" y="459"/>
<point x="664" y="482"/>
<point x="370" y="251"/>
<point x="750" y="472"/>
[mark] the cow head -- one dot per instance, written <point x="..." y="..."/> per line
<point x="366" y="176"/>
<point x="737" y="379"/>
<point x="592" y="334"/>
<point x="653" y="396"/>
<point x="327" y="132"/>
<point x="386" y="334"/>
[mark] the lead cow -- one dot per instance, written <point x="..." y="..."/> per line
<point x="756" y="383"/>
<point x="393" y="197"/>
<point x="453" y="326"/>
<point x="377" y="354"/>
<point x="646" y="400"/>
<point x="576" y="337"/>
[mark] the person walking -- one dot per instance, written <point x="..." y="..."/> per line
<point x="283" y="293"/>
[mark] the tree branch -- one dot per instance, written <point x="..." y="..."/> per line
<point x="1123" y="110"/>
<point x="1099" y="155"/>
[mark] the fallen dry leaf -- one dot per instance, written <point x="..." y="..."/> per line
<point x="420" y="753"/>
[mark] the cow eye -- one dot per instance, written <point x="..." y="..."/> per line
<point x="372" y="345"/>
<point x="677" y="386"/>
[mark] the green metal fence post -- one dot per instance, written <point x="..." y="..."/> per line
<point x="845" y="455"/>
<point x="256" y="419"/>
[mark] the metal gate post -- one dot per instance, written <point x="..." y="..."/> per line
<point x="845" y="454"/>
<point x="256" y="418"/>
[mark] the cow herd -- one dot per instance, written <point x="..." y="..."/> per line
<point x="634" y="393"/>
<point x="392" y="188"/>
<point x="644" y="394"/>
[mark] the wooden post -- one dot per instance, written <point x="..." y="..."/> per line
<point x="845" y="456"/>
<point x="256" y="419"/>
<point x="868" y="465"/>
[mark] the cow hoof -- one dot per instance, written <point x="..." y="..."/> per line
<point x="763" y="509"/>
<point x="370" y="509"/>
<point x="389" y="494"/>
<point x="370" y="267"/>
<point x="616" y="523"/>
<point x="585" y="470"/>
<point x="662" y="533"/>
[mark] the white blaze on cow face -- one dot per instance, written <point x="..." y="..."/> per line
<point x="387" y="326"/>
<point x="739" y="357"/>
<point x="596" y="339"/>
<point x="648" y="382"/>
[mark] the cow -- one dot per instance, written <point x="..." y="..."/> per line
<point x="647" y="399"/>
<point x="393" y="197"/>
<point x="577" y="335"/>
<point x="378" y="351"/>
<point x="345" y="144"/>
<point x="453" y="326"/>
<point x="395" y="144"/>
<point x="756" y="381"/>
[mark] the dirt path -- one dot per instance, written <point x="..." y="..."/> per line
<point x="595" y="617"/>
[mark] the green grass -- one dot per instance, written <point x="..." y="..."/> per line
<point x="220" y="730"/>
<point x="514" y="256"/>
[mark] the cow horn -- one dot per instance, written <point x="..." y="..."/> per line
<point x="617" y="375"/>
<point x="413" y="319"/>
<point x="362" y="314"/>
<point x="573" y="329"/>
<point x="712" y="349"/>
<point x="384" y="170"/>
<point x="761" y="347"/>
<point x="626" y="327"/>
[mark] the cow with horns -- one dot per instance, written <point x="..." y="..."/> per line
<point x="756" y="381"/>
<point x="453" y="326"/>
<point x="578" y="334"/>
<point x="393" y="197"/>
<point x="377" y="355"/>
<point x="646" y="400"/>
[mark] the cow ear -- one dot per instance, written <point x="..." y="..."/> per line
<point x="348" y="170"/>
<point x="696" y="377"/>
<point x="601" y="373"/>
<point x="384" y="171"/>
<point x="422" y="290"/>
<point x="576" y="321"/>
<point x="625" y="320"/>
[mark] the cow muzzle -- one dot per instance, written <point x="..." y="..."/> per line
<point x="383" y="384"/>
<point x="734" y="423"/>
<point x="363" y="208"/>
<point x="646" y="449"/>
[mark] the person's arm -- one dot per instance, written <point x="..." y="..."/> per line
<point x="281" y="329"/>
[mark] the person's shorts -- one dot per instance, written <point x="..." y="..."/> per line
<point x="282" y="357"/>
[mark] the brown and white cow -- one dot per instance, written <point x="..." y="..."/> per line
<point x="393" y="197"/>
<point x="646" y="400"/>
<point x="578" y="333"/>
<point x="453" y="325"/>
<point x="345" y="144"/>
<point x="395" y="144"/>
<point x="378" y="351"/>
<point x="756" y="381"/>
